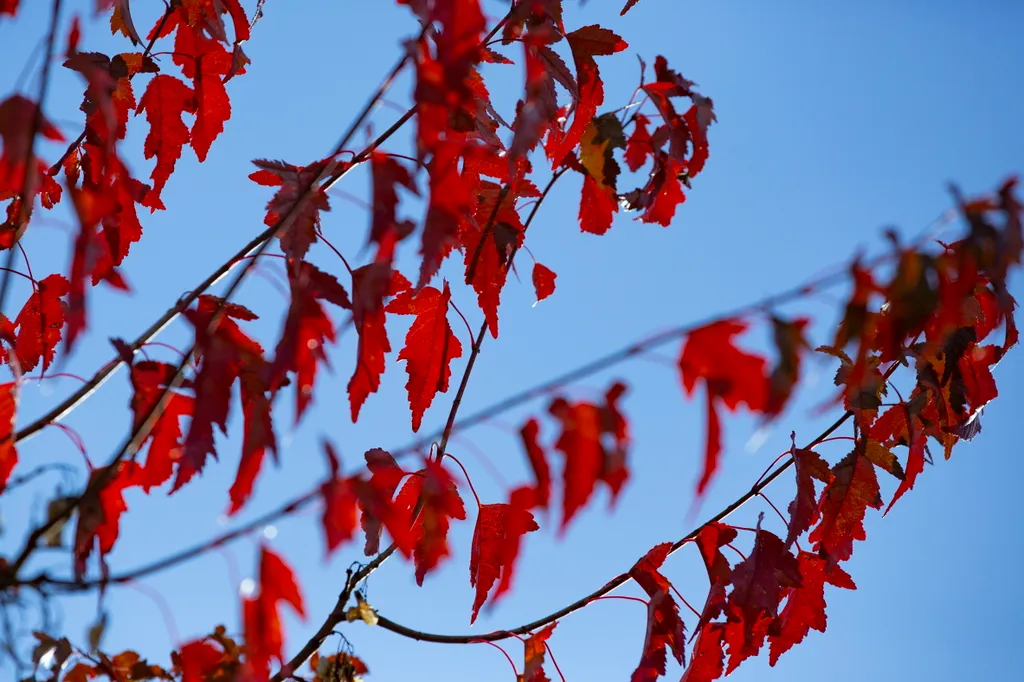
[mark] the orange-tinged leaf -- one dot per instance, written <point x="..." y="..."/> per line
<point x="534" y="649"/>
<point x="496" y="539"/>
<point x="430" y="346"/>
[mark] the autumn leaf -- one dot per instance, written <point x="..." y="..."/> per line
<point x="371" y="284"/>
<point x="38" y="325"/>
<point x="586" y="43"/>
<point x="712" y="537"/>
<point x="538" y="462"/>
<point x="307" y="329"/>
<point x="198" y="661"/>
<point x="388" y="174"/>
<point x="543" y="281"/>
<point x="843" y="505"/>
<point x="165" y="100"/>
<point x="805" y="604"/>
<point x="707" y="659"/>
<point x="789" y="343"/>
<point x="803" y="509"/>
<point x="759" y="583"/>
<point x="99" y="513"/>
<point x="665" y="629"/>
<point x="589" y="457"/>
<point x="340" y="516"/>
<point x="915" y="465"/>
<point x="297" y="204"/>
<point x="17" y="127"/>
<point x="534" y="649"/>
<point x="150" y="379"/>
<point x="731" y="377"/>
<point x="8" y="450"/>
<point x="264" y="638"/>
<point x="430" y="346"/>
<point x="638" y="146"/>
<point x="496" y="539"/>
<point x="375" y="499"/>
<point x="440" y="502"/>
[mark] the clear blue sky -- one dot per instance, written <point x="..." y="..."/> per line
<point x="835" y="121"/>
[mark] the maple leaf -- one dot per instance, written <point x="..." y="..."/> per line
<point x="165" y="100"/>
<point x="712" y="537"/>
<point x="534" y="649"/>
<point x="99" y="513"/>
<point x="307" y="328"/>
<point x="340" y="517"/>
<point x="639" y="146"/>
<point x="8" y="450"/>
<point x="430" y="346"/>
<point x="587" y="457"/>
<point x="805" y="604"/>
<point x="665" y="628"/>
<point x="843" y="504"/>
<point x="586" y="43"/>
<point x="602" y="136"/>
<point x="301" y="198"/>
<point x="439" y="502"/>
<point x="804" y="508"/>
<point x="9" y="7"/>
<point x="371" y="283"/>
<point x="261" y="619"/>
<point x="496" y="539"/>
<point x="538" y="111"/>
<point x="915" y="465"/>
<point x="226" y="354"/>
<point x="731" y="377"/>
<point x="789" y="342"/>
<point x="17" y="126"/>
<point x="707" y="659"/>
<point x="758" y="582"/>
<point x="538" y="462"/>
<point x="38" y="325"/>
<point x="388" y="174"/>
<point x="150" y="380"/>
<point x="543" y="281"/>
<point x="198" y="660"/>
<point x="375" y="501"/>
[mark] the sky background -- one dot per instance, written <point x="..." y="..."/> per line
<point x="835" y="121"/>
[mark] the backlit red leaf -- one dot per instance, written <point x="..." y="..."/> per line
<point x="264" y="638"/>
<point x="8" y="451"/>
<point x="543" y="281"/>
<point x="165" y="100"/>
<point x="496" y="539"/>
<point x="38" y="325"/>
<point x="665" y="629"/>
<point x="430" y="346"/>
<point x="843" y="505"/>
<point x="440" y="502"/>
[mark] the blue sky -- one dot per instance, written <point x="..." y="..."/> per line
<point x="834" y="122"/>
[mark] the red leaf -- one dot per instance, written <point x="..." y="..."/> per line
<point x="538" y="462"/>
<point x="843" y="504"/>
<point x="440" y="502"/>
<point x="212" y="105"/>
<point x="388" y="174"/>
<point x="915" y="465"/>
<point x="805" y="604"/>
<point x="149" y="381"/>
<point x="710" y="540"/>
<point x="664" y="627"/>
<point x="307" y="329"/>
<point x="9" y="7"/>
<point x="370" y="285"/>
<point x="789" y="342"/>
<point x="340" y="517"/>
<point x="99" y="514"/>
<point x="597" y="207"/>
<point x="496" y="539"/>
<point x="707" y="660"/>
<point x="301" y="198"/>
<point x="17" y="127"/>
<point x="227" y="354"/>
<point x="731" y="377"/>
<point x="262" y="621"/>
<point x="165" y="100"/>
<point x="758" y="584"/>
<point x="199" y="661"/>
<point x="639" y="147"/>
<point x="543" y="281"/>
<point x="587" y="459"/>
<point x="430" y="346"/>
<point x="534" y="649"/>
<point x="39" y="323"/>
<point x="539" y="109"/>
<point x="586" y="43"/>
<point x="8" y="451"/>
<point x="803" y="509"/>
<point x="375" y="498"/>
